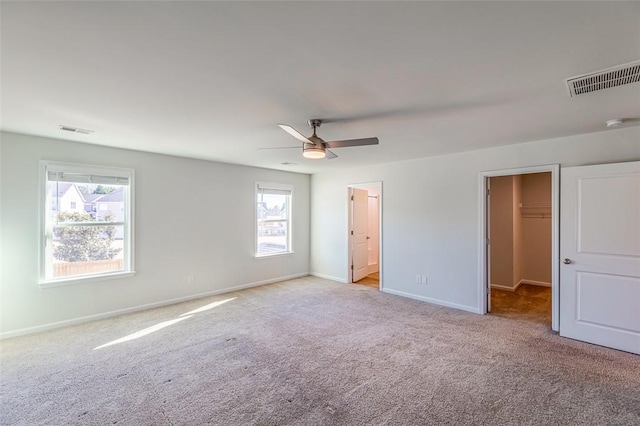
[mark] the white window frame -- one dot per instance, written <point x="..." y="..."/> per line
<point x="278" y="187"/>
<point x="46" y="228"/>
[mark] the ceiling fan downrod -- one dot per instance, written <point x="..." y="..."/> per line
<point x="314" y="123"/>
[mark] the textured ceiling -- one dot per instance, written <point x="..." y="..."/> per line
<point x="211" y="80"/>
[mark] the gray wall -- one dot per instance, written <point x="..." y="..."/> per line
<point x="430" y="211"/>
<point x="191" y="218"/>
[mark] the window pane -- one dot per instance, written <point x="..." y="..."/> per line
<point x="272" y="237"/>
<point x="81" y="250"/>
<point x="80" y="242"/>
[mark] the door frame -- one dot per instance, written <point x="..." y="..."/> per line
<point x="349" y="225"/>
<point x="483" y="283"/>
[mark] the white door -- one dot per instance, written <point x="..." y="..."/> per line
<point x="488" y="242"/>
<point x="600" y="255"/>
<point x="359" y="230"/>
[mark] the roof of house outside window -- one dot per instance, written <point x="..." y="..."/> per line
<point x="112" y="197"/>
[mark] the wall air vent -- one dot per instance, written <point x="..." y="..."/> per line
<point x="605" y="79"/>
<point x="75" y="129"/>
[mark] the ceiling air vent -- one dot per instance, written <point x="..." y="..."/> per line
<point x="600" y="80"/>
<point x="75" y="129"/>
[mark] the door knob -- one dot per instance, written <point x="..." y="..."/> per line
<point x="566" y="261"/>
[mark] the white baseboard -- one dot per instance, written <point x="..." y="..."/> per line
<point x="472" y="309"/>
<point x="373" y="268"/>
<point x="532" y="282"/>
<point x="504" y="287"/>
<point x="80" y="320"/>
<point x="522" y="281"/>
<point x="329" y="277"/>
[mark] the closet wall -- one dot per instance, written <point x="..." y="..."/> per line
<point x="520" y="230"/>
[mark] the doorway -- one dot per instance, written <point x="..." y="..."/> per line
<point x="518" y="265"/>
<point x="365" y="234"/>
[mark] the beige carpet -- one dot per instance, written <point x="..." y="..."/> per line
<point x="314" y="352"/>
<point x="528" y="302"/>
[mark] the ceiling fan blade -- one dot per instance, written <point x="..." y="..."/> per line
<point x="330" y="155"/>
<point x="352" y="142"/>
<point x="293" y="132"/>
<point x="282" y="147"/>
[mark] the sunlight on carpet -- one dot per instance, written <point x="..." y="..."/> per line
<point x="164" y="324"/>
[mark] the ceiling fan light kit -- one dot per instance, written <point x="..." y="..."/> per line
<point x="313" y="152"/>
<point x="316" y="148"/>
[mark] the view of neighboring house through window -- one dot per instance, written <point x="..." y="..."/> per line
<point x="273" y="212"/>
<point x="87" y="221"/>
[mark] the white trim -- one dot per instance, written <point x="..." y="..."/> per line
<point x="522" y="281"/>
<point x="80" y="320"/>
<point x="280" y="186"/>
<point x="272" y="255"/>
<point x="84" y="279"/>
<point x="506" y="287"/>
<point x="329" y="277"/>
<point x="44" y="256"/>
<point x="532" y="282"/>
<point x="439" y="302"/>
<point x="554" y="169"/>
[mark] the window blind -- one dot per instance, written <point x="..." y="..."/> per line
<point x="273" y="191"/>
<point x="53" y="176"/>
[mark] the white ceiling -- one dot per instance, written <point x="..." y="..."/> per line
<point x="211" y="80"/>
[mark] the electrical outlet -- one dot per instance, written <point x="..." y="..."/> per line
<point x="190" y="279"/>
<point x="418" y="279"/>
<point x="424" y="279"/>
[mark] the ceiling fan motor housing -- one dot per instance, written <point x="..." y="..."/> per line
<point x="315" y="140"/>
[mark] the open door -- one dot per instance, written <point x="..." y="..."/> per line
<point x="359" y="229"/>
<point x="600" y="246"/>
<point x="488" y="242"/>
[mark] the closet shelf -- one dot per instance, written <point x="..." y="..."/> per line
<point x="536" y="210"/>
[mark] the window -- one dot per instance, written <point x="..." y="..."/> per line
<point x="87" y="222"/>
<point x="273" y="213"/>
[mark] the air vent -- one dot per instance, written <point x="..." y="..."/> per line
<point x="75" y="129"/>
<point x="605" y="79"/>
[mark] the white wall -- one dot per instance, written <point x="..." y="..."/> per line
<point x="430" y="211"/>
<point x="211" y="239"/>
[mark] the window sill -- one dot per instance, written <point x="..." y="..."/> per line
<point x="269" y="256"/>
<point x="81" y="280"/>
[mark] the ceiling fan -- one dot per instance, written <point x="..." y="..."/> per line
<point x="315" y="147"/>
